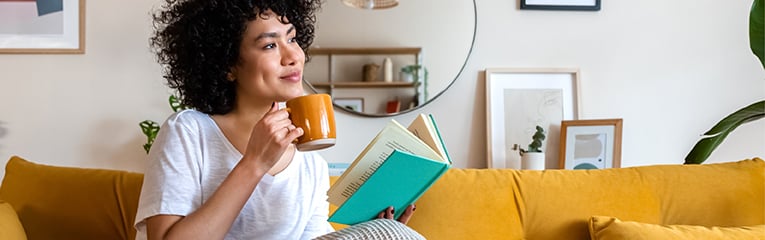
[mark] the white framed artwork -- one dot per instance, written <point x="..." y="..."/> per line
<point x="518" y="100"/>
<point x="32" y="26"/>
<point x="350" y="104"/>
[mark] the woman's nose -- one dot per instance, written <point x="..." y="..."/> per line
<point x="292" y="54"/>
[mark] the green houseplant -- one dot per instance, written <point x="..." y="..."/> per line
<point x="536" y="142"/>
<point x="712" y="138"/>
<point x="533" y="158"/>
<point x="151" y="128"/>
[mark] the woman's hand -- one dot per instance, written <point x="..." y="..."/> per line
<point x="404" y="218"/>
<point x="270" y="137"/>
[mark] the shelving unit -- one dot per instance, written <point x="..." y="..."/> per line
<point x="343" y="74"/>
<point x="331" y="53"/>
<point x="362" y="84"/>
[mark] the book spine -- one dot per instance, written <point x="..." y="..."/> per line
<point x="438" y="133"/>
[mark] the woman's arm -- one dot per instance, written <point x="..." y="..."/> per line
<point x="213" y="219"/>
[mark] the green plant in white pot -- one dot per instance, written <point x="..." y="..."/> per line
<point x="712" y="138"/>
<point x="534" y="158"/>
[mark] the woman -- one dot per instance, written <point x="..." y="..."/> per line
<point x="227" y="169"/>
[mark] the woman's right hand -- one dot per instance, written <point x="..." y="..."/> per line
<point x="270" y="138"/>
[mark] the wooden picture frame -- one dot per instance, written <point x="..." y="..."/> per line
<point x="591" y="144"/>
<point x="350" y="104"/>
<point x="29" y="31"/>
<point x="574" y="5"/>
<point x="519" y="99"/>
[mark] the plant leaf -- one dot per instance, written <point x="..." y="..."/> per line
<point x="150" y="129"/>
<point x="720" y="131"/>
<point x="176" y="104"/>
<point x="757" y="30"/>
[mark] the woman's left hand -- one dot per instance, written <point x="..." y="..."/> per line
<point x="404" y="218"/>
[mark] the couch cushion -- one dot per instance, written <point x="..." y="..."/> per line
<point x="470" y="204"/>
<point x="10" y="227"/>
<point x="611" y="228"/>
<point x="71" y="203"/>
<point x="557" y="204"/>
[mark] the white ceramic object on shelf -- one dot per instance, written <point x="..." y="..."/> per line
<point x="388" y="70"/>
<point x="533" y="161"/>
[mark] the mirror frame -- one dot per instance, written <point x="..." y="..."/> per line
<point x="459" y="73"/>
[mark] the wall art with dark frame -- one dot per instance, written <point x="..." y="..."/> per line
<point x="573" y="5"/>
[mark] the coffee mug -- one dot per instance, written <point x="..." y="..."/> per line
<point x="315" y="115"/>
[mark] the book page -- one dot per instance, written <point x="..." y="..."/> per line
<point x="393" y="137"/>
<point x="423" y="128"/>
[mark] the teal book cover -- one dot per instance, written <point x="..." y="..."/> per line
<point x="399" y="181"/>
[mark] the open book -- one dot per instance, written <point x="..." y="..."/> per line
<point x="395" y="169"/>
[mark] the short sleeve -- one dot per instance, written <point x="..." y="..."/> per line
<point x="172" y="180"/>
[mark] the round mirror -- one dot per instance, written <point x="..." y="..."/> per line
<point x="386" y="62"/>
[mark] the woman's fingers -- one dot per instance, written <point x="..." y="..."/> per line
<point x="404" y="218"/>
<point x="293" y="133"/>
<point x="389" y="213"/>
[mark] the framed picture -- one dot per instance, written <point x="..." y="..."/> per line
<point x="582" y="5"/>
<point x="518" y="100"/>
<point x="42" y="26"/>
<point x="352" y="104"/>
<point x="591" y="144"/>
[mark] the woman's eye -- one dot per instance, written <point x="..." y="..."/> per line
<point x="292" y="40"/>
<point x="270" y="45"/>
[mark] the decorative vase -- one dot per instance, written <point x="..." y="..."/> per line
<point x="533" y="161"/>
<point x="387" y="70"/>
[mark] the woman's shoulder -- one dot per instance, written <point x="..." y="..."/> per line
<point x="188" y="114"/>
<point x="188" y="118"/>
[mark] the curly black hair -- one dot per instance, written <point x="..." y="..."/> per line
<point x="197" y="42"/>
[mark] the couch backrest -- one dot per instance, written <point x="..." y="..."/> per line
<point x="557" y="204"/>
<point x="78" y="203"/>
<point x="71" y="203"/>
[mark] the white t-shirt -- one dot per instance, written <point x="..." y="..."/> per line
<point x="191" y="157"/>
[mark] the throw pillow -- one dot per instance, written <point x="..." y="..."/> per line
<point x="378" y="229"/>
<point x="10" y="226"/>
<point x="607" y="228"/>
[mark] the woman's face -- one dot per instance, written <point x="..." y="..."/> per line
<point x="270" y="66"/>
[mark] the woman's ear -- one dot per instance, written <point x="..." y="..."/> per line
<point x="231" y="75"/>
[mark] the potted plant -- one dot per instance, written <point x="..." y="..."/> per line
<point x="712" y="138"/>
<point x="534" y="158"/>
<point x="409" y="73"/>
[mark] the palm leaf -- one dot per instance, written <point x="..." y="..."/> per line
<point x="720" y="131"/>
<point x="757" y="30"/>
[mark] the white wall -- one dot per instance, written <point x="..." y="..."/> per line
<point x="669" y="71"/>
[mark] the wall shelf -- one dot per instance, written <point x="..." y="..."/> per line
<point x="335" y="84"/>
<point x="331" y="53"/>
<point x="346" y="64"/>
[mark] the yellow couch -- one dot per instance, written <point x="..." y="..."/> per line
<point x="727" y="199"/>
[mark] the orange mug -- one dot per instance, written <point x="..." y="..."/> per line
<point x="315" y="115"/>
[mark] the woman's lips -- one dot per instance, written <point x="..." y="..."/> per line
<point x="293" y="77"/>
